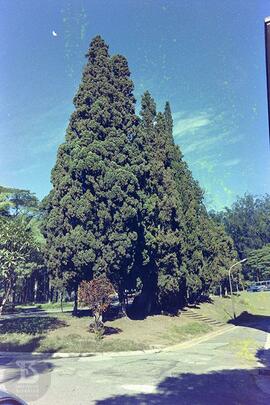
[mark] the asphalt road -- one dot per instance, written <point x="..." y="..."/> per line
<point x="216" y="371"/>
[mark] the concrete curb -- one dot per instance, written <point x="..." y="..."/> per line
<point x="200" y="339"/>
<point x="59" y="355"/>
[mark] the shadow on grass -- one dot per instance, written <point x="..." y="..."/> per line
<point x="14" y="310"/>
<point x="109" y="330"/>
<point x="214" y="388"/>
<point x="83" y="312"/>
<point x="109" y="315"/>
<point x="260" y="322"/>
<point x="30" y="325"/>
<point x="135" y="313"/>
<point x="113" y="314"/>
<point x="16" y="346"/>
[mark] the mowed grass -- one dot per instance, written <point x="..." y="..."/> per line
<point x="221" y="308"/>
<point x="60" y="332"/>
<point x="64" y="333"/>
<point x="67" y="306"/>
<point x="56" y="306"/>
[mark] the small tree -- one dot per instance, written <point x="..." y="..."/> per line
<point x="96" y="294"/>
<point x="16" y="255"/>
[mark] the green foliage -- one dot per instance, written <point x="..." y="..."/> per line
<point x="15" y="202"/>
<point x="124" y="203"/>
<point x="24" y="203"/>
<point x="20" y="224"/>
<point x="17" y="254"/>
<point x="161" y="236"/>
<point x="91" y="213"/>
<point x="15" y="246"/>
<point x="5" y="203"/>
<point x="185" y="252"/>
<point x="247" y="222"/>
<point x="258" y="264"/>
<point x="96" y="294"/>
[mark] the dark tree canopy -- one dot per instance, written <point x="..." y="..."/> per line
<point x="258" y="264"/>
<point x="124" y="203"/>
<point x="91" y="224"/>
<point x="248" y="222"/>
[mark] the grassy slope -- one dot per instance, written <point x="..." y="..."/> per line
<point x="62" y="332"/>
<point x="45" y="307"/>
<point x="221" y="308"/>
<point x="246" y="346"/>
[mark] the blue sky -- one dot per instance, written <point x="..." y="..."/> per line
<point x="205" y="56"/>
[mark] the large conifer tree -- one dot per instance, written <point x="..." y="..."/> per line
<point x="208" y="250"/>
<point x="123" y="201"/>
<point x="161" y="215"/>
<point x="185" y="252"/>
<point x="91" y="218"/>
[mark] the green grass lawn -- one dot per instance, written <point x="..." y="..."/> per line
<point x="64" y="333"/>
<point x="46" y="306"/>
<point x="56" y="305"/>
<point x="220" y="309"/>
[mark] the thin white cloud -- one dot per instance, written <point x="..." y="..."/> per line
<point x="203" y="131"/>
<point x="231" y="162"/>
<point x="203" y="143"/>
<point x="190" y="125"/>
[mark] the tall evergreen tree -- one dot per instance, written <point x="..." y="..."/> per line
<point x="91" y="212"/>
<point x="188" y="251"/>
<point x="208" y="249"/>
<point x="124" y="202"/>
<point x="160" y="216"/>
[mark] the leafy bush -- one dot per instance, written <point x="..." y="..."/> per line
<point x="97" y="295"/>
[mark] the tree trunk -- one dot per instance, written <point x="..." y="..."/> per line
<point x="50" y="292"/>
<point x="35" y="290"/>
<point x="122" y="300"/>
<point x="5" y="299"/>
<point x="61" y="301"/>
<point x="75" y="307"/>
<point x="183" y="293"/>
<point x="242" y="285"/>
<point x="146" y="301"/>
<point x="13" y="297"/>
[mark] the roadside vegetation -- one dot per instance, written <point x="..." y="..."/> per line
<point x="220" y="308"/>
<point x="62" y="332"/>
